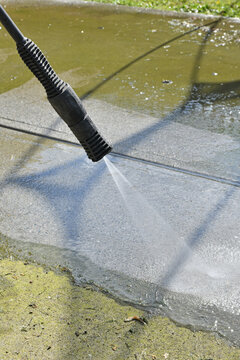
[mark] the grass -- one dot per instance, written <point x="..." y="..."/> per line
<point x="211" y="7"/>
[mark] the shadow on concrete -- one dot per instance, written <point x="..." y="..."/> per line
<point x="27" y="155"/>
<point x="209" y="92"/>
<point x="213" y="92"/>
<point x="61" y="198"/>
<point x="194" y="239"/>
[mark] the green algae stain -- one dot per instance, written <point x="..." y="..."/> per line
<point x="45" y="316"/>
<point x="144" y="62"/>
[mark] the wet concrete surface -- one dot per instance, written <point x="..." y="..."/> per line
<point x="189" y="244"/>
<point x="183" y="114"/>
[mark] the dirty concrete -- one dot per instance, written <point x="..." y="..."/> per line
<point x="45" y="316"/>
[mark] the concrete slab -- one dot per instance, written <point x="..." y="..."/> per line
<point x="164" y="239"/>
<point x="170" y="244"/>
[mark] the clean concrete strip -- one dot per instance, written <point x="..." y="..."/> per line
<point x="173" y="232"/>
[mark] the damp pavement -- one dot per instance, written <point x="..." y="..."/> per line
<point x="171" y="242"/>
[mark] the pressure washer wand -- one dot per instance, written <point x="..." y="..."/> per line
<point x="60" y="95"/>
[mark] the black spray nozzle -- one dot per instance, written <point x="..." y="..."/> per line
<point x="60" y="95"/>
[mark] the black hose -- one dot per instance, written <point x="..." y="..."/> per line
<point x="12" y="28"/>
<point x="40" y="67"/>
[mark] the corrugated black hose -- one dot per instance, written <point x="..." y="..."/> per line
<point x="60" y="95"/>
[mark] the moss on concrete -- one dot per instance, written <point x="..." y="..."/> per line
<point x="45" y="316"/>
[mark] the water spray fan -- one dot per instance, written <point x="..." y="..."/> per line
<point x="60" y="94"/>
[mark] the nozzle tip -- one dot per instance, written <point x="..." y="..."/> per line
<point x="96" y="147"/>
